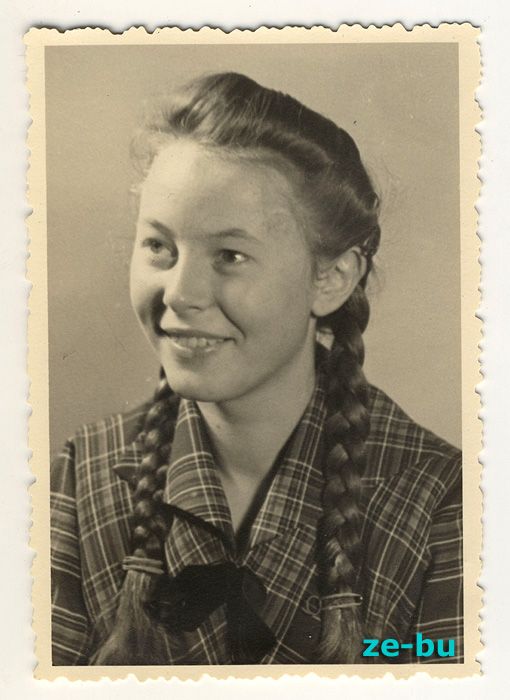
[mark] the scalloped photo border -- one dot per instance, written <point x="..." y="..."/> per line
<point x="466" y="36"/>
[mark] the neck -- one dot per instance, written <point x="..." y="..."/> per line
<point x="248" y="433"/>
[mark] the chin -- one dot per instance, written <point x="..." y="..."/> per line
<point x="196" y="390"/>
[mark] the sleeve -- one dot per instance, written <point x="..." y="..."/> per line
<point x="70" y="623"/>
<point x="440" y="612"/>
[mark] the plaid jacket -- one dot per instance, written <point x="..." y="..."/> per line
<point x="412" y="534"/>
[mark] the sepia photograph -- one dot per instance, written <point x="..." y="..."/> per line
<point x="257" y="366"/>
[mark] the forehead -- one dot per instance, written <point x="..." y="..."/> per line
<point x="189" y="180"/>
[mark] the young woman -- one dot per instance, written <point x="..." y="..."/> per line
<point x="268" y="506"/>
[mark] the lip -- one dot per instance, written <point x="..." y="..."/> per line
<point x="191" y="333"/>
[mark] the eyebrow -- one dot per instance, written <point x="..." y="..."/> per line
<point x="227" y="233"/>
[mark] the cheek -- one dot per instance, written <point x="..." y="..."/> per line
<point x="281" y="299"/>
<point x="142" y="290"/>
<point x="291" y="285"/>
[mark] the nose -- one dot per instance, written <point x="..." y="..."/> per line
<point x="187" y="286"/>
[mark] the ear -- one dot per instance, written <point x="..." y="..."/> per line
<point x="336" y="280"/>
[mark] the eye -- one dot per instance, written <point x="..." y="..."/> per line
<point x="226" y="256"/>
<point x="153" y="245"/>
<point x="159" y="252"/>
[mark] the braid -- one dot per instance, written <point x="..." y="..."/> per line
<point x="346" y="431"/>
<point x="150" y="526"/>
<point x="133" y="638"/>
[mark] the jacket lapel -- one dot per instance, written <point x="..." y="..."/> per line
<point x="192" y="484"/>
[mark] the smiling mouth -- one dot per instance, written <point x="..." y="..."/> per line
<point x="194" y="342"/>
<point x="188" y="343"/>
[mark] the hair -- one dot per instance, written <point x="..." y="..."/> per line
<point x="233" y="113"/>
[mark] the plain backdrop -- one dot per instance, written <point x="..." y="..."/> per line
<point x="399" y="102"/>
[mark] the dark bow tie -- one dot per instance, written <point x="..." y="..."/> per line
<point x="182" y="603"/>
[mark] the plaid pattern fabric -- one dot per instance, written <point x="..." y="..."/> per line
<point x="411" y="577"/>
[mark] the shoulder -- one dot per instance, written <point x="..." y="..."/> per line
<point x="400" y="450"/>
<point x="103" y="441"/>
<point x="85" y="483"/>
<point x="116" y="429"/>
<point x="412" y="525"/>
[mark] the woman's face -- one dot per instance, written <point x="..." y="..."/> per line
<point x="221" y="276"/>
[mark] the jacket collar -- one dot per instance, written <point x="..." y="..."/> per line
<point x="192" y="482"/>
<point x="194" y="487"/>
<point x="293" y="497"/>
